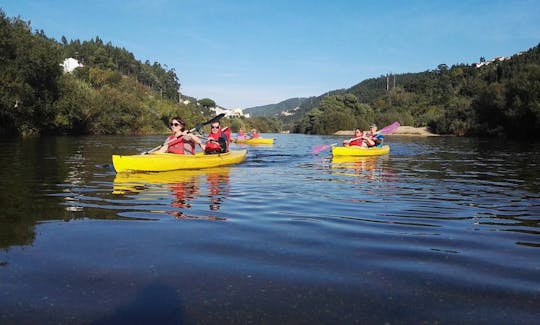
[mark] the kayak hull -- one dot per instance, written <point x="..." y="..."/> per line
<point x="255" y="141"/>
<point x="159" y="162"/>
<point x="360" y="152"/>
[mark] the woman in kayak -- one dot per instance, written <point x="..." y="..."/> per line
<point x="180" y="141"/>
<point x="359" y="140"/>
<point x="218" y="139"/>
<point x="254" y="134"/>
<point x="241" y="134"/>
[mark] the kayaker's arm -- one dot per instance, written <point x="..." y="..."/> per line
<point x="195" y="139"/>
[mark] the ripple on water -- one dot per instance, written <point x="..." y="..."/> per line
<point x="440" y="230"/>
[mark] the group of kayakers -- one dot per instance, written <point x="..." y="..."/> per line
<point x="183" y="142"/>
<point x="365" y="139"/>
<point x="253" y="134"/>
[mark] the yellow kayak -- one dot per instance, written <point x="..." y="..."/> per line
<point x="255" y="141"/>
<point x="357" y="151"/>
<point x="158" y="162"/>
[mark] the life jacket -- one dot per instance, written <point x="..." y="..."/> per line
<point x="212" y="147"/>
<point x="357" y="142"/>
<point x="179" y="146"/>
<point x="220" y="143"/>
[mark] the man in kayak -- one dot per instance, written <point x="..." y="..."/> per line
<point x="218" y="139"/>
<point x="180" y="141"/>
<point x="359" y="139"/>
<point x="375" y="139"/>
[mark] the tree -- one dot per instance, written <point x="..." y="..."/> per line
<point x="28" y="78"/>
<point x="206" y="103"/>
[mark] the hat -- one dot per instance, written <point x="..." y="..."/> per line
<point x="373" y="126"/>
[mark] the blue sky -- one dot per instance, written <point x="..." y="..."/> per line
<point x="247" y="53"/>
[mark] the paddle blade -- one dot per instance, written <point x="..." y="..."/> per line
<point x="212" y="120"/>
<point x="317" y="149"/>
<point x="215" y="119"/>
<point x="390" y="128"/>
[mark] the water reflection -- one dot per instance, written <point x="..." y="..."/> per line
<point x="184" y="186"/>
<point x="218" y="188"/>
<point x="370" y="168"/>
<point x="449" y="223"/>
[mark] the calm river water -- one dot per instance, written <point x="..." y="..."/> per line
<point x="441" y="230"/>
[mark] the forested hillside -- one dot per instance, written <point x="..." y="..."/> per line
<point x="285" y="107"/>
<point x="499" y="98"/>
<point x="112" y="94"/>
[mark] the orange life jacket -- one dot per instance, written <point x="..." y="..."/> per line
<point x="220" y="143"/>
<point x="178" y="145"/>
<point x="357" y="142"/>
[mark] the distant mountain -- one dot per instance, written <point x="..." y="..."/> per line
<point x="284" y="108"/>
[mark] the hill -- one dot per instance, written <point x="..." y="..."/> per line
<point x="490" y="98"/>
<point x="285" y="107"/>
<point x="113" y="93"/>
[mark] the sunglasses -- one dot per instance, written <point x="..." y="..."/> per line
<point x="215" y="127"/>
<point x="176" y="124"/>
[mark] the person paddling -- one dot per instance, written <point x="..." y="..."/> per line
<point x="359" y="139"/>
<point x="218" y="139"/>
<point x="376" y="139"/>
<point x="254" y="134"/>
<point x="241" y="134"/>
<point x="180" y="141"/>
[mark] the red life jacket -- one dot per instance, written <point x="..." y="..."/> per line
<point x="227" y="132"/>
<point x="357" y="142"/>
<point x="219" y="146"/>
<point x="179" y="146"/>
<point x="212" y="147"/>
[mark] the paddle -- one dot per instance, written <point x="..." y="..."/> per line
<point x="196" y="128"/>
<point x="389" y="129"/>
<point x="322" y="147"/>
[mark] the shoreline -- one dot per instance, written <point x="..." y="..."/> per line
<point x="402" y="130"/>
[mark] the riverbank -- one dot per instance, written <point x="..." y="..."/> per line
<point x="402" y="130"/>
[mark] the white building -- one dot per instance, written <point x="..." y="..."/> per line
<point x="235" y="112"/>
<point x="70" y="64"/>
<point x="499" y="58"/>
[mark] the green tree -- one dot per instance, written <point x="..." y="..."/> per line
<point x="28" y="78"/>
<point x="522" y="112"/>
<point x="206" y="103"/>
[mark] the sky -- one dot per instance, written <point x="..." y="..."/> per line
<point x="246" y="53"/>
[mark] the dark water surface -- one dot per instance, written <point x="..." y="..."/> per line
<point x="442" y="230"/>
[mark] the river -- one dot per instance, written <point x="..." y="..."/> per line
<point x="441" y="230"/>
